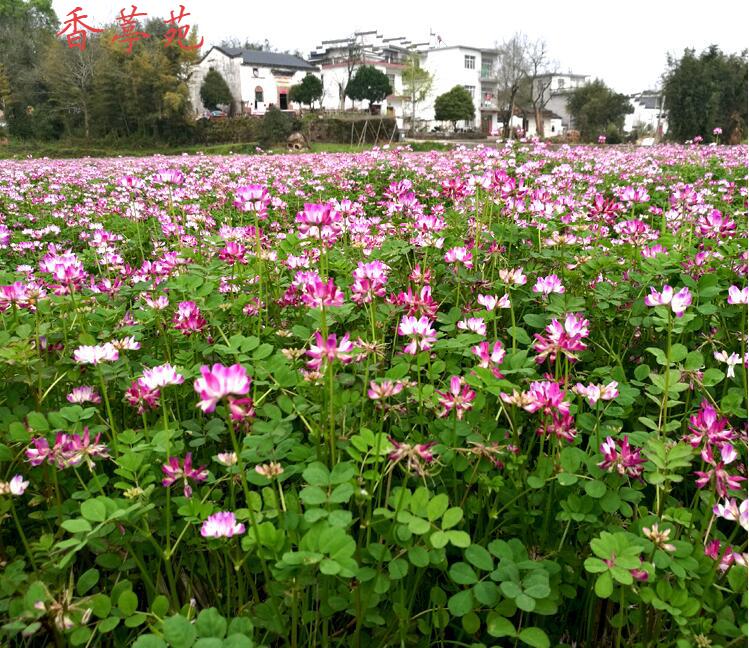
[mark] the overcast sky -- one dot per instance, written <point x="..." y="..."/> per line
<point x="624" y="43"/>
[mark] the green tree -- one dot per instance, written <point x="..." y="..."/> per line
<point x="454" y="105"/>
<point x="704" y="92"/>
<point x="370" y="84"/>
<point x="597" y="109"/>
<point x="215" y="90"/>
<point x="26" y="27"/>
<point x="417" y="82"/>
<point x="308" y="91"/>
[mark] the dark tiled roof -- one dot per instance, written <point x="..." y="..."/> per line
<point x="267" y="59"/>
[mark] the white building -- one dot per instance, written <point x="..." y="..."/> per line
<point x="339" y="59"/>
<point x="648" y="113"/>
<point x="558" y="88"/>
<point x="257" y="79"/>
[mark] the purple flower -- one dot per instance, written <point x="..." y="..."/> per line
<point x="678" y="301"/>
<point x="174" y="472"/>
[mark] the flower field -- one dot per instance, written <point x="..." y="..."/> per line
<point x="485" y="397"/>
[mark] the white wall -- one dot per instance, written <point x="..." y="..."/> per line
<point x="229" y="68"/>
<point x="447" y="67"/>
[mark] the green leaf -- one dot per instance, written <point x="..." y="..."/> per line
<point x="525" y="603"/>
<point x="37" y="422"/>
<point x="471" y="623"/>
<point x="596" y="489"/>
<point x="438" y="539"/>
<point x="519" y="334"/>
<point x="237" y="641"/>
<point x="437" y="506"/>
<point x="128" y="603"/>
<point x="498" y="626"/>
<point x="459" y="538"/>
<point x="463" y="574"/>
<point x="316" y="474"/>
<point x="87" y="580"/>
<point x="479" y="557"/>
<point x="486" y="593"/>
<point x="418" y="556"/>
<point x="179" y="632"/>
<point x="210" y="624"/>
<point x="77" y="525"/>
<point x="595" y="565"/>
<point x="604" y="585"/>
<point x="452" y="517"/>
<point x="534" y="637"/>
<point x="461" y="603"/>
<point x="149" y="641"/>
<point x="209" y="642"/>
<point x="160" y="606"/>
<point x="94" y="510"/>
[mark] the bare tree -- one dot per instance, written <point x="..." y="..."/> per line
<point x="512" y="72"/>
<point x="353" y="56"/>
<point x="540" y="70"/>
<point x="417" y="83"/>
<point x="69" y="74"/>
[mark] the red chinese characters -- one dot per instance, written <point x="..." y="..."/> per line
<point x="179" y="32"/>
<point x="130" y="34"/>
<point x="77" y="36"/>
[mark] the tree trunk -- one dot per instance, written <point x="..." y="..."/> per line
<point x="508" y="125"/>
<point x="85" y="120"/>
<point x="539" y="123"/>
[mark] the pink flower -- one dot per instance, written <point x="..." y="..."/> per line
<point x="738" y="296"/>
<point x="417" y="457"/>
<point x="513" y="277"/>
<point x="241" y="409"/>
<point x="327" y="351"/>
<point x="174" y="472"/>
<point x="161" y="376"/>
<point x="729" y="510"/>
<point x="321" y="295"/>
<point x="547" y="397"/>
<point x="96" y="354"/>
<point x="141" y="396"/>
<point x="678" y="301"/>
<point x="218" y="382"/>
<point x="473" y="324"/>
<point x="489" y="359"/>
<point x="458" y="255"/>
<point x="547" y="285"/>
<point x="16" y="486"/>
<point x="369" y="281"/>
<point x="731" y="361"/>
<point x="562" y="338"/>
<point x="594" y="393"/>
<point x="459" y="398"/>
<point x="221" y="525"/>
<point x="420" y="331"/>
<point x="385" y="389"/>
<point x="624" y="459"/>
<point x="188" y="318"/>
<point x="252" y="198"/>
<point x="559" y="424"/>
<point x="68" y="450"/>
<point x="233" y="252"/>
<point x="169" y="176"/>
<point x="321" y="222"/>
<point x="714" y="225"/>
<point x="84" y="394"/>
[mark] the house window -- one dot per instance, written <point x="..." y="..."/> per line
<point x="391" y="79"/>
<point x="258" y="96"/>
<point x="471" y="90"/>
<point x="470" y="62"/>
<point x="561" y="83"/>
<point x="486" y="69"/>
<point x="256" y="72"/>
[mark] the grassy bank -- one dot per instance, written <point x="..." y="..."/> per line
<point x="77" y="149"/>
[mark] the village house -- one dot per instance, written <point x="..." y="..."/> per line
<point x="256" y="79"/>
<point x="339" y="59"/>
<point x="648" y="115"/>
